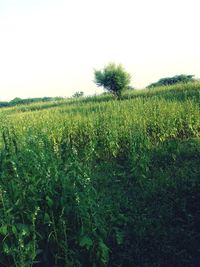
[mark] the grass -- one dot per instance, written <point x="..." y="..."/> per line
<point x="99" y="182"/>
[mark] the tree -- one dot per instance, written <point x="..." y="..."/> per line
<point x="172" y="80"/>
<point x="113" y="78"/>
<point x="78" y="94"/>
<point x="16" y="100"/>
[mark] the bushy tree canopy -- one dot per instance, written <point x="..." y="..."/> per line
<point x="78" y="94"/>
<point x="172" y="80"/>
<point x="113" y="78"/>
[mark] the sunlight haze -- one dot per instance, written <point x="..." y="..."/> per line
<point x="51" y="48"/>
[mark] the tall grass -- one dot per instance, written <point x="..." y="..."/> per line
<point x="100" y="182"/>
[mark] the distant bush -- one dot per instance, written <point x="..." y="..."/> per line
<point x="78" y="94"/>
<point x="172" y="80"/>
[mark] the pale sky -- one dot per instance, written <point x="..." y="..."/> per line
<point x="51" y="47"/>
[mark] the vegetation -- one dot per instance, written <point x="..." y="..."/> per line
<point x="113" y="78"/>
<point x="173" y="80"/>
<point x="97" y="182"/>
<point x="19" y="101"/>
<point x="78" y="94"/>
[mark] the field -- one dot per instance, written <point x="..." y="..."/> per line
<point x="96" y="182"/>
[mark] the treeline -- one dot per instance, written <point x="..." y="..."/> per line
<point x="18" y="101"/>
<point x="173" y="80"/>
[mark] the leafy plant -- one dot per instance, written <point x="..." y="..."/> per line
<point x="97" y="182"/>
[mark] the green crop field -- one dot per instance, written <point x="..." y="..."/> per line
<point x="99" y="182"/>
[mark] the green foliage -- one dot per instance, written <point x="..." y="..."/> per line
<point x="19" y="101"/>
<point x="78" y="94"/>
<point x="16" y="100"/>
<point x="94" y="182"/>
<point x="113" y="78"/>
<point x="173" y="80"/>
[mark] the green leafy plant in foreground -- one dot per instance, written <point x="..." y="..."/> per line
<point x="108" y="183"/>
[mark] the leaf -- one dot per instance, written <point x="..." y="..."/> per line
<point x="47" y="218"/>
<point x="3" y="230"/>
<point x="49" y="201"/>
<point x="104" y="250"/>
<point x="86" y="242"/>
<point x="119" y="237"/>
<point x="14" y="230"/>
<point x="23" y="228"/>
<point x="5" y="248"/>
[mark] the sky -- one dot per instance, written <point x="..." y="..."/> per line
<point x="51" y="47"/>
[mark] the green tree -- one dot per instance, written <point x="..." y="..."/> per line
<point x="172" y="80"/>
<point x="16" y="100"/>
<point x="78" y="94"/>
<point x="113" y="78"/>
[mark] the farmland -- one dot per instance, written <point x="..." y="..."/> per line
<point x="102" y="182"/>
